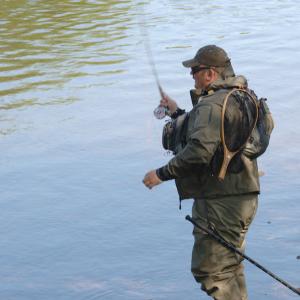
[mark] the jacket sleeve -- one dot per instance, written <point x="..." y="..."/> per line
<point x="203" y="139"/>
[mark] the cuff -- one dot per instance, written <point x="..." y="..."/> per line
<point x="178" y="112"/>
<point x="163" y="174"/>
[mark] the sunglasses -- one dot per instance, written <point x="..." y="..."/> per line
<point x="197" y="69"/>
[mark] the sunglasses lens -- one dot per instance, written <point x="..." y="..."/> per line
<point x="194" y="70"/>
<point x="197" y="69"/>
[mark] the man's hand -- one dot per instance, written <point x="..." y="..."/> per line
<point x="151" y="179"/>
<point x="166" y="101"/>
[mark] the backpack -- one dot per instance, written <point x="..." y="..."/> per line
<point x="260" y="137"/>
<point x="174" y="136"/>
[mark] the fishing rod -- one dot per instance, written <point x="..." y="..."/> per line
<point x="160" y="111"/>
<point x="234" y="249"/>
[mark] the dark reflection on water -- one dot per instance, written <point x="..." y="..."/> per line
<point x="55" y="41"/>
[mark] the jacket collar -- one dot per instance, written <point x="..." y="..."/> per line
<point x="228" y="83"/>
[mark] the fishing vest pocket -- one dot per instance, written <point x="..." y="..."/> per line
<point x="174" y="134"/>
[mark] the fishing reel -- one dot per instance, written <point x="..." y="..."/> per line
<point x="161" y="112"/>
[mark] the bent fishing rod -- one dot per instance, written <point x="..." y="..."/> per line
<point x="235" y="250"/>
<point x="160" y="111"/>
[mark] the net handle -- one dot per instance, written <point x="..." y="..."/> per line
<point x="228" y="155"/>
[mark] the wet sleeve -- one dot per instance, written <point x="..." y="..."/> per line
<point x="203" y="141"/>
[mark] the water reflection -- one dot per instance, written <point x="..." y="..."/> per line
<point x="47" y="43"/>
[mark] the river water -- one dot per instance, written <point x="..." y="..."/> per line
<point x="78" y="134"/>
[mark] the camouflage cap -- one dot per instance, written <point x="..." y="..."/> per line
<point x="210" y="55"/>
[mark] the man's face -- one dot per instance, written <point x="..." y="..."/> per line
<point x="203" y="76"/>
<point x="199" y="75"/>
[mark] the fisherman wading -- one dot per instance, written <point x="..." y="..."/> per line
<point x="226" y="205"/>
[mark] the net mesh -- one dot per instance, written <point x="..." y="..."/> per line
<point x="239" y="120"/>
<point x="240" y="117"/>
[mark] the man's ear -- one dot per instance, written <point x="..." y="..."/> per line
<point x="210" y="74"/>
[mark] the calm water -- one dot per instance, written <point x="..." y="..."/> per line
<point x="78" y="134"/>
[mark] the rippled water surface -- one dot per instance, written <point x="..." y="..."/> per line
<point x="78" y="134"/>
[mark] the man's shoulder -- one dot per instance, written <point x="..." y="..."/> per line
<point x="215" y="98"/>
<point x="207" y="110"/>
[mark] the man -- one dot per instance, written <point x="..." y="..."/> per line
<point x="228" y="206"/>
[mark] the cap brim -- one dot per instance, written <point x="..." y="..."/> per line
<point x="190" y="63"/>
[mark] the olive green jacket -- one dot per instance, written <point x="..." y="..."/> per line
<point x="191" y="167"/>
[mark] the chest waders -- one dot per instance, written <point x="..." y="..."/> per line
<point x="232" y="248"/>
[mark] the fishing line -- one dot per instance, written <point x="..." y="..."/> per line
<point x="160" y="111"/>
